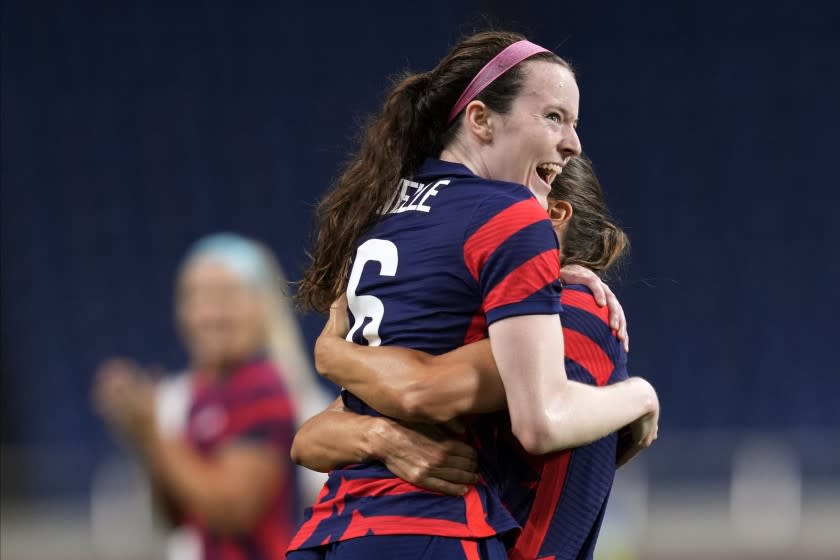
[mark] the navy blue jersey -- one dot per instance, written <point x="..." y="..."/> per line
<point x="407" y="546"/>
<point x="452" y="254"/>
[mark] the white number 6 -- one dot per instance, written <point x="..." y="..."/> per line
<point x="385" y="253"/>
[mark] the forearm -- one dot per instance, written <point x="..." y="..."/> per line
<point x="337" y="437"/>
<point x="423" y="455"/>
<point x="199" y="486"/>
<point x="412" y="385"/>
<point x="581" y="413"/>
<point x="547" y="411"/>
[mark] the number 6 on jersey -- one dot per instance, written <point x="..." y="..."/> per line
<point x="385" y="253"/>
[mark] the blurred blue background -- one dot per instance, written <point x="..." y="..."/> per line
<point x="129" y="129"/>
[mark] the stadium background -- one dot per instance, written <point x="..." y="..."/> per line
<point x="129" y="129"/>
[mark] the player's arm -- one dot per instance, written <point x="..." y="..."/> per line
<point x="408" y="384"/>
<point x="412" y="385"/>
<point x="547" y="411"/>
<point x="511" y="252"/>
<point x="337" y="437"/>
<point x="227" y="490"/>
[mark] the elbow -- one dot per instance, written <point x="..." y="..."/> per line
<point x="302" y="454"/>
<point x="533" y="434"/>
<point x="297" y="453"/>
<point x="321" y="355"/>
<point x="232" y="517"/>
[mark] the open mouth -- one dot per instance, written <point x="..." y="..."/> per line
<point x="548" y="172"/>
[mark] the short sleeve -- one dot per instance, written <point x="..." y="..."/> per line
<point x="511" y="251"/>
<point x="261" y="412"/>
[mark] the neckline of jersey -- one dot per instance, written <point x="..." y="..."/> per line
<point x="438" y="168"/>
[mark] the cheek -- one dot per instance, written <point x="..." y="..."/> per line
<point x="249" y="325"/>
<point x="185" y="318"/>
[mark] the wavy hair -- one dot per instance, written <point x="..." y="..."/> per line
<point x="592" y="239"/>
<point x="410" y="127"/>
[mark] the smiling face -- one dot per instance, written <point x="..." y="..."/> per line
<point x="220" y="319"/>
<point x="531" y="143"/>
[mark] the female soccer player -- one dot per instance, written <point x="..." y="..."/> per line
<point x="227" y="474"/>
<point x="559" y="498"/>
<point x="443" y="212"/>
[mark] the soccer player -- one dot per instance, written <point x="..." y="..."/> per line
<point x="226" y="473"/>
<point x="442" y="212"/>
<point x="559" y="499"/>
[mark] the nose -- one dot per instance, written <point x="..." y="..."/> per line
<point x="570" y="144"/>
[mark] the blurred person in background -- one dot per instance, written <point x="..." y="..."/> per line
<point x="215" y="440"/>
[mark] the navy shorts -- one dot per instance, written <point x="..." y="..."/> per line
<point x="406" y="547"/>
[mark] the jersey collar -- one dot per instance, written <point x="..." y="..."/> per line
<point x="438" y="168"/>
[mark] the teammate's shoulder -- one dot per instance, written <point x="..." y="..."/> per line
<point x="505" y="202"/>
<point x="580" y="297"/>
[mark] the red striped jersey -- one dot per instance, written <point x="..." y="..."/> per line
<point x="453" y="253"/>
<point x="250" y="406"/>
<point x="560" y="498"/>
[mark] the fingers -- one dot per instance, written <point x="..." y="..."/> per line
<point x="455" y="448"/>
<point x="576" y="274"/>
<point x="442" y="486"/>
<point x="339" y="320"/>
<point x="627" y="455"/>
<point x="462" y="463"/>
<point x="340" y="302"/>
<point x="455" y="426"/>
<point x="445" y="454"/>
<point x="449" y="480"/>
<point x="618" y="321"/>
<point x="455" y="476"/>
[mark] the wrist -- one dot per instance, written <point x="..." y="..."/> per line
<point x="145" y="437"/>
<point x="378" y="434"/>
<point x="646" y="395"/>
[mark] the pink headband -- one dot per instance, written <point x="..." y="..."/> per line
<point x="498" y="65"/>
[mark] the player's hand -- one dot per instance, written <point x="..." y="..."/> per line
<point x="125" y="397"/>
<point x="425" y="456"/>
<point x="338" y="323"/>
<point x="576" y="274"/>
<point x="638" y="435"/>
<point x="329" y="342"/>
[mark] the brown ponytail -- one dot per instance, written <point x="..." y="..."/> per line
<point x="410" y="128"/>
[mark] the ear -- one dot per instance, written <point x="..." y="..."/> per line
<point x="560" y="212"/>
<point x="477" y="120"/>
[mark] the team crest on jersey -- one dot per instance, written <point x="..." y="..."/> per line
<point x="209" y="423"/>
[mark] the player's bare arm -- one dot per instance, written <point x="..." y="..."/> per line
<point x="548" y="412"/>
<point x="409" y="384"/>
<point x="422" y="455"/>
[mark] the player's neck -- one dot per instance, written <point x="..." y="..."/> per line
<point x="456" y="153"/>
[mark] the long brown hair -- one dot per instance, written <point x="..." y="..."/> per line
<point x="410" y="128"/>
<point x="593" y="239"/>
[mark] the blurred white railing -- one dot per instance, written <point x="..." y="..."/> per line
<point x="695" y="495"/>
